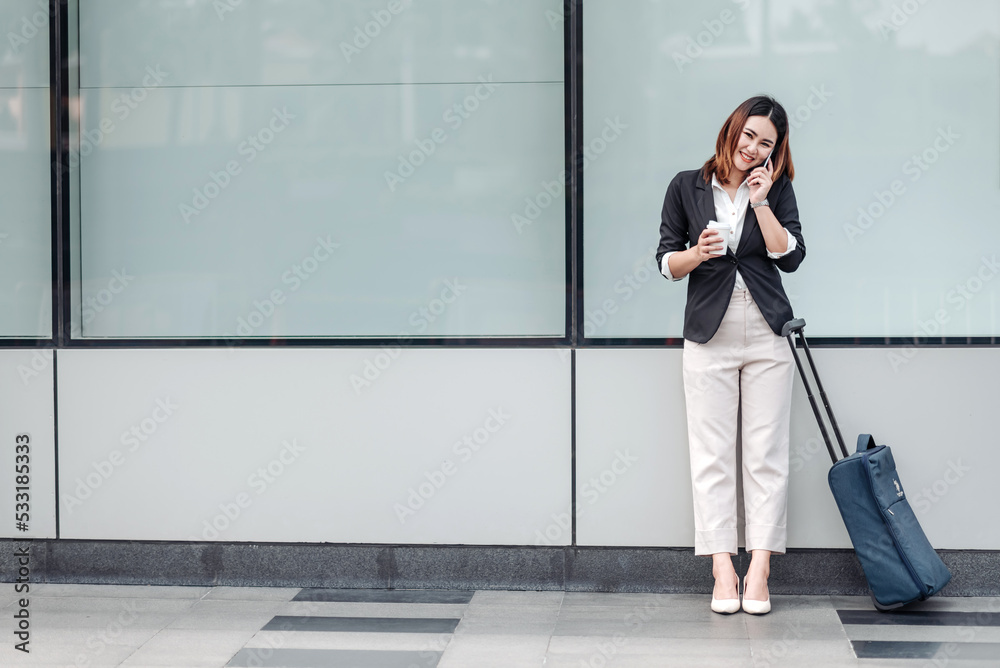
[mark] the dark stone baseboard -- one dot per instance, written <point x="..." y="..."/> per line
<point x="601" y="569"/>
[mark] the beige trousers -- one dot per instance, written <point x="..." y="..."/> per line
<point x="744" y="362"/>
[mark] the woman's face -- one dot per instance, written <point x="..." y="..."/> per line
<point x="756" y="143"/>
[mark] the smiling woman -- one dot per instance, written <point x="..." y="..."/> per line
<point x="744" y="136"/>
<point x="733" y="352"/>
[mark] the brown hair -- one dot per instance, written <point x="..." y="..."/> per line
<point x="721" y="164"/>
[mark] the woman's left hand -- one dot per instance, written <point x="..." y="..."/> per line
<point x="760" y="183"/>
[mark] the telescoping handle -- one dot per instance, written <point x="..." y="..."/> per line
<point x="798" y="326"/>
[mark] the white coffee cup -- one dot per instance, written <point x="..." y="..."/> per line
<point x="724" y="230"/>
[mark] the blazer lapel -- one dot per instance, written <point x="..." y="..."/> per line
<point x="706" y="208"/>
<point x="749" y="222"/>
<point x="706" y="203"/>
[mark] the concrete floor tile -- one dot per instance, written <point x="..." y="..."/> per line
<point x="326" y="609"/>
<point x="252" y="593"/>
<point x="796" y="602"/>
<point x="188" y="647"/>
<point x="426" y="596"/>
<point x="118" y="591"/>
<point x="507" y="612"/>
<point x="630" y="600"/>
<point x="768" y="653"/>
<point x="233" y="607"/>
<point x="228" y="615"/>
<point x="508" y="619"/>
<point x="109" y="655"/>
<point x="640" y="652"/>
<point x="416" y="642"/>
<point x="310" y="658"/>
<point x="851" y="602"/>
<point x="798" y="623"/>
<point x="650" y="611"/>
<point x="495" y="651"/>
<point x="817" y="662"/>
<point x="91" y="641"/>
<point x="493" y="626"/>
<point x="107" y="620"/>
<point x="97" y="625"/>
<point x="645" y="661"/>
<point x="518" y="598"/>
<point x="729" y="626"/>
<point x="110" y="606"/>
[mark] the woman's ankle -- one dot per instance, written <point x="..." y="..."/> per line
<point x="754" y="572"/>
<point x="722" y="563"/>
<point x="760" y="562"/>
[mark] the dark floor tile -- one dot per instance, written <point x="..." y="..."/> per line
<point x="940" y="651"/>
<point x="385" y="595"/>
<point x="361" y="624"/>
<point x="920" y="617"/>
<point x="333" y="658"/>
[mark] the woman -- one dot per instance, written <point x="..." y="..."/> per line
<point x="733" y="352"/>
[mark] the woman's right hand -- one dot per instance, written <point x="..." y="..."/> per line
<point x="683" y="263"/>
<point x="708" y="242"/>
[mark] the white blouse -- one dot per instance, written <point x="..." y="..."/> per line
<point x="730" y="211"/>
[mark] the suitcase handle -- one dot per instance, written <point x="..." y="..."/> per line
<point x="797" y="326"/>
<point x="793" y="326"/>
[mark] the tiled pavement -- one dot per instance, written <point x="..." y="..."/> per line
<point x="105" y="625"/>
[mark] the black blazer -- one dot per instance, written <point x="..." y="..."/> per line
<point x="687" y="208"/>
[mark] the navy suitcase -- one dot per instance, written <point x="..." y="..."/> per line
<point x="899" y="562"/>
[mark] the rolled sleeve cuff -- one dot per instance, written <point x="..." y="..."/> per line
<point x="791" y="247"/>
<point x="665" y="267"/>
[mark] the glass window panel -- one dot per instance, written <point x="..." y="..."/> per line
<point x="25" y="176"/>
<point x="283" y="42"/>
<point x="880" y="99"/>
<point x="279" y="193"/>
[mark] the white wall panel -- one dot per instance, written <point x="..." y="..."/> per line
<point x="631" y="401"/>
<point x="934" y="407"/>
<point x="210" y="427"/>
<point x="26" y="408"/>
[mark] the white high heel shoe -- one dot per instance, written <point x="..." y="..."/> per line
<point x="755" y="607"/>
<point x="727" y="606"/>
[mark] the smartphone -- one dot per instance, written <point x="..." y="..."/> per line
<point x="768" y="159"/>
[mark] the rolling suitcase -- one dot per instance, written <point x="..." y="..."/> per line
<point x="899" y="562"/>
